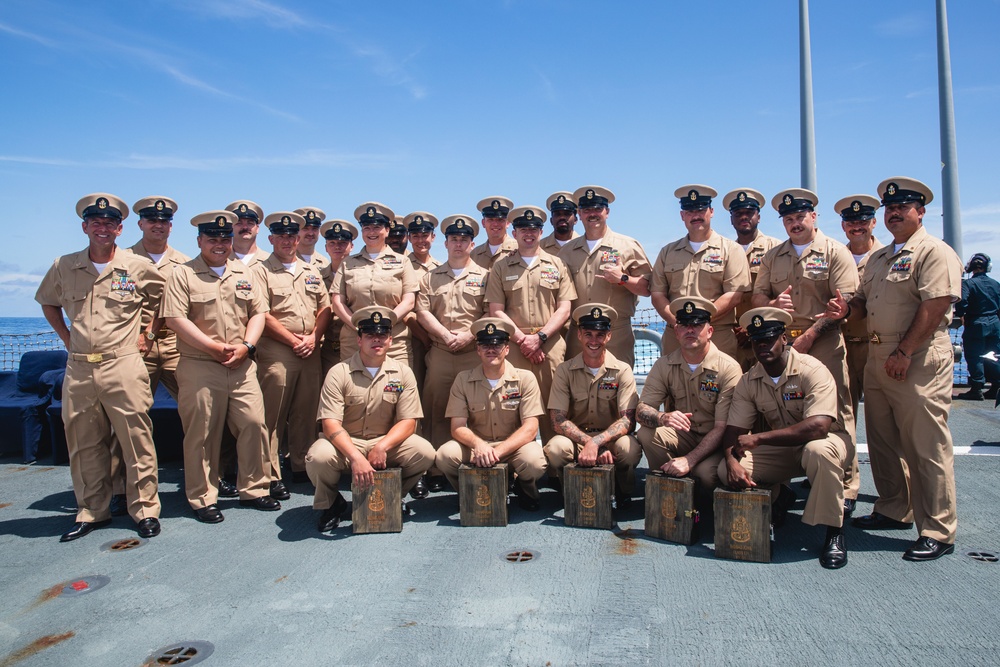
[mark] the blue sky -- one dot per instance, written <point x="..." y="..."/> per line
<point x="432" y="106"/>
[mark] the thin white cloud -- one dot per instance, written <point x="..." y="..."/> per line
<point x="27" y="35"/>
<point x="982" y="210"/>
<point x="905" y="25"/>
<point x="309" y="158"/>
<point x="547" y="88"/>
<point x="269" y="13"/>
<point x="923" y="92"/>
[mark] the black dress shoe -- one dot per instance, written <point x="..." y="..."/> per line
<point x="834" y="554"/>
<point x="119" y="505"/>
<point x="876" y="521"/>
<point x="264" y="503"/>
<point x="927" y="548"/>
<point x="419" y="490"/>
<point x="279" y="491"/>
<point x="210" y="514"/>
<point x="436" y="483"/>
<point x="784" y="502"/>
<point x="149" y="527"/>
<point x="850" y="504"/>
<point x="81" y="528"/>
<point x="227" y="489"/>
<point x="330" y="517"/>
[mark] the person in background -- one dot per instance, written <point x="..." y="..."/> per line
<point x="978" y="309"/>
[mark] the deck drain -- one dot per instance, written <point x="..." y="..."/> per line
<point x="124" y="545"/>
<point x="181" y="653"/>
<point x="983" y="556"/>
<point x="520" y="556"/>
<point x="91" y="582"/>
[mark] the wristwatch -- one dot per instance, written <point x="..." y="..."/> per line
<point x="624" y="279"/>
<point x="542" y="336"/>
<point x="251" y="349"/>
<point x="150" y="336"/>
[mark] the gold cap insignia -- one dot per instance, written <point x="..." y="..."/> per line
<point x="561" y="199"/>
<point x="370" y="212"/>
<point x="742" y="196"/>
<point x="460" y="223"/>
<point x="693" y="195"/>
<point x="891" y="190"/>
<point x="856" y="206"/>
<point x="285" y="220"/>
<point x="311" y="215"/>
<point x="337" y="228"/>
<point x="529" y="215"/>
<point x="376" y="317"/>
<point x="158" y="205"/>
<point x="418" y="219"/>
<point x="596" y="313"/>
<point x="590" y="193"/>
<point x="220" y="220"/>
<point x="688" y="307"/>
<point x="102" y="202"/>
<point x="491" y="329"/>
<point x="787" y="200"/>
<point x="243" y="208"/>
<point x="495" y="205"/>
<point x="758" y="321"/>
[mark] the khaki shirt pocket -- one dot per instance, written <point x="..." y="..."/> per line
<point x="203" y="307"/>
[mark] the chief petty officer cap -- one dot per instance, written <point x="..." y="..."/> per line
<point x="695" y="197"/>
<point x="338" y="230"/>
<point x="215" y="223"/>
<point x="595" y="316"/>
<point x="459" y="224"/>
<point x="397" y="228"/>
<point x="420" y="222"/>
<point x="794" y="200"/>
<point x="313" y="216"/>
<point x="762" y="323"/>
<point x="693" y="310"/>
<point x="247" y="210"/>
<point x="560" y="201"/>
<point x="593" y="196"/>
<point x="492" y="330"/>
<point x="900" y="190"/>
<point x="156" y="208"/>
<point x="285" y="222"/>
<point x="527" y="217"/>
<point x="374" y="320"/>
<point x="857" y="208"/>
<point x="494" y="207"/>
<point x="101" y="205"/>
<point x="743" y="198"/>
<point x="372" y="212"/>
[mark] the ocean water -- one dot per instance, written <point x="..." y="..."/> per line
<point x="23" y="325"/>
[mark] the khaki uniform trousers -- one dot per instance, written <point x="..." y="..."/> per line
<point x="325" y="465"/>
<point x="212" y="397"/>
<point x="290" y="386"/>
<point x="857" y="357"/>
<point x="723" y="337"/>
<point x="829" y="349"/>
<point x="528" y="463"/>
<point x="622" y="343"/>
<point x="664" y="444"/>
<point x="909" y="443"/>
<point x="555" y="354"/>
<point x="103" y="403"/>
<point x="822" y="461"/>
<point x="436" y="389"/>
<point x="560" y="451"/>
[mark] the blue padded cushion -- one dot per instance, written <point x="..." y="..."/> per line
<point x="33" y="364"/>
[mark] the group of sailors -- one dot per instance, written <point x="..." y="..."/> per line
<point x="519" y="349"/>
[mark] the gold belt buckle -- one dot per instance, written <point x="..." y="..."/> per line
<point x="535" y="330"/>
<point x="795" y="333"/>
<point x="873" y="338"/>
<point x="95" y="358"/>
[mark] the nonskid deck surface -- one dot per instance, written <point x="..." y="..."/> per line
<point x="266" y="588"/>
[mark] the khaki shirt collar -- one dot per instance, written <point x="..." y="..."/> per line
<point x="793" y="367"/>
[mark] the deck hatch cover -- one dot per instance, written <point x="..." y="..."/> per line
<point x="181" y="653"/>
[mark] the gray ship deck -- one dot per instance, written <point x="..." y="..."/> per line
<point x="267" y="589"/>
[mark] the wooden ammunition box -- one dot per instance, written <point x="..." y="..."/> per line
<point x="670" y="512"/>
<point x="587" y="495"/>
<point x="482" y="495"/>
<point x="378" y="509"/>
<point x="743" y="525"/>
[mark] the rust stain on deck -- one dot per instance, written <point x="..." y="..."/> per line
<point x="628" y="546"/>
<point x="35" y="648"/>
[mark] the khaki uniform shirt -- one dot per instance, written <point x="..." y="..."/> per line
<point x="824" y="267"/>
<point x="755" y="256"/>
<point x="896" y="282"/>
<point x="171" y="259"/>
<point x="294" y="300"/>
<point x="422" y="270"/>
<point x="251" y="261"/>
<point x="806" y="389"/>
<point x="331" y="339"/>
<point x="482" y="256"/>
<point x="317" y="260"/>
<point x="362" y="281"/>
<point x="615" y="250"/>
<point x="494" y="414"/>
<point x="720" y="266"/>
<point x="530" y="295"/>
<point x="105" y="311"/>
<point x="455" y="302"/>
<point x="219" y="306"/>
<point x="859" y="328"/>
<point x="593" y="402"/>
<point x="705" y="393"/>
<point x="550" y="245"/>
<point x="369" y="406"/>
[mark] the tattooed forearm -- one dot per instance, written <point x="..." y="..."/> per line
<point x="647" y="416"/>
<point x="613" y="432"/>
<point x="563" y="426"/>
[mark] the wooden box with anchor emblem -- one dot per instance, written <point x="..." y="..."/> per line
<point x="378" y="509"/>
<point x="482" y="495"/>
<point x="587" y="495"/>
<point x="743" y="525"/>
<point x="670" y="512"/>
